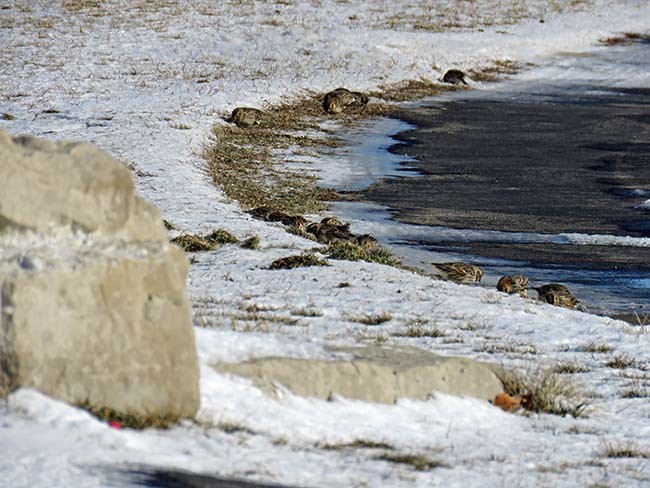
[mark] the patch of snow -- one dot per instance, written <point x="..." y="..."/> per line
<point x="146" y="84"/>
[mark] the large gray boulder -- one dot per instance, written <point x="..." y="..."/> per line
<point x="93" y="307"/>
<point x="73" y="184"/>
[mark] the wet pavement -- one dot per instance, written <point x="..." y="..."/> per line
<point x="566" y="162"/>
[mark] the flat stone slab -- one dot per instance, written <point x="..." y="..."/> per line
<point x="373" y="374"/>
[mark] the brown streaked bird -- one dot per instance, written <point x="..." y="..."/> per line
<point x="277" y="216"/>
<point x="338" y="100"/>
<point x="514" y="284"/>
<point x="459" y="272"/>
<point x="556" y="294"/>
<point x="262" y="212"/>
<point x="270" y="215"/>
<point x="328" y="233"/>
<point x="246" y="117"/>
<point x="455" y="77"/>
<point x="333" y="221"/>
<point x="296" y="221"/>
<point x="366" y="241"/>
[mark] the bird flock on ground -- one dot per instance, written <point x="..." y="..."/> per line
<point x="331" y="229"/>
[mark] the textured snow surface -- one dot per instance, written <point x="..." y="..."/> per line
<point x="145" y="80"/>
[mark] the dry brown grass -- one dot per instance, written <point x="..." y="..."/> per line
<point x="625" y="38"/>
<point x="301" y="260"/>
<point x="246" y="162"/>
<point x="624" y="449"/>
<point x="355" y="444"/>
<point x="496" y="70"/>
<point x="420" y="462"/>
<point x="74" y="5"/>
<point x="543" y="390"/>
<point x="410" y="90"/>
<point x="209" y="242"/>
<point x="350" y="251"/>
<point x="240" y="161"/>
<point x="421" y="331"/>
<point x="373" y="319"/>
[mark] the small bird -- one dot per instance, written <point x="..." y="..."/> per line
<point x="296" y="221"/>
<point x="556" y="294"/>
<point x="340" y="99"/>
<point x="270" y="215"/>
<point x="513" y="284"/>
<point x="246" y="117"/>
<point x="455" y="77"/>
<point x="333" y="221"/>
<point x="262" y="212"/>
<point x="328" y="233"/>
<point x="459" y="272"/>
<point x="366" y="241"/>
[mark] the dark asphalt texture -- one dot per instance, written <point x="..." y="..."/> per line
<point x="556" y="166"/>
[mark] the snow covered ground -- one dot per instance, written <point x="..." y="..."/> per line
<point x="145" y="80"/>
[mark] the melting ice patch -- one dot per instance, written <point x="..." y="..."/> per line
<point x="375" y="219"/>
<point x="601" y="240"/>
<point x="365" y="157"/>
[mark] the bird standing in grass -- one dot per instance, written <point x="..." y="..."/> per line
<point x="246" y="117"/>
<point x="513" y="284"/>
<point x="454" y="77"/>
<point x="333" y="221"/>
<point x="556" y="294"/>
<point x="366" y="241"/>
<point x="340" y="99"/>
<point x="459" y="272"/>
<point x="329" y="233"/>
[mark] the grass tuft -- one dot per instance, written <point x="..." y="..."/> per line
<point x="420" y="331"/>
<point x="193" y="243"/>
<point x="625" y="38"/>
<point x="350" y="251"/>
<point x="621" y="362"/>
<point x="627" y="449"/>
<point x="636" y="393"/>
<point x="373" y="319"/>
<point x="416" y="461"/>
<point x="544" y="391"/>
<point x="221" y="236"/>
<point x="569" y="368"/>
<point x="196" y="243"/>
<point x="290" y="262"/>
<point x="252" y="242"/>
<point x="410" y="90"/>
<point x="496" y="70"/>
<point x="597" y="348"/>
<point x="355" y="444"/>
<point x="233" y="428"/>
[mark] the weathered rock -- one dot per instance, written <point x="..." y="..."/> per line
<point x="72" y="184"/>
<point x="111" y="331"/>
<point x="93" y="307"/>
<point x="374" y="374"/>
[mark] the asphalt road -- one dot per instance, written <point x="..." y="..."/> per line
<point x="560" y="165"/>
